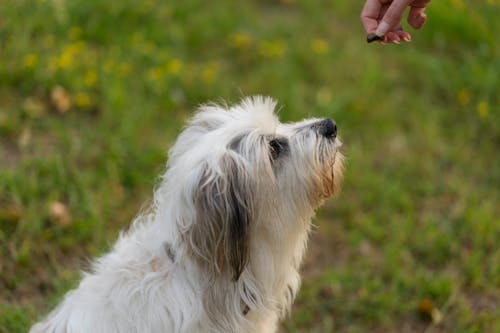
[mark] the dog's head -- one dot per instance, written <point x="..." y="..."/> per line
<point x="245" y="175"/>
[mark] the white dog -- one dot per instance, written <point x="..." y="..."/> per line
<point x="220" y="249"/>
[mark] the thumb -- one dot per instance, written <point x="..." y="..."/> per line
<point x="392" y="17"/>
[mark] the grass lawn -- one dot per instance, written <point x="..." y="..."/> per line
<point x="93" y="93"/>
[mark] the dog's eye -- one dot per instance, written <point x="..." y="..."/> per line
<point x="276" y="147"/>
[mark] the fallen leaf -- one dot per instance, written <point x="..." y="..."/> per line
<point x="61" y="99"/>
<point x="9" y="219"/>
<point x="425" y="306"/>
<point x="427" y="309"/>
<point x="25" y="138"/>
<point x="59" y="213"/>
<point x="34" y="107"/>
<point x="10" y="214"/>
<point x="436" y="315"/>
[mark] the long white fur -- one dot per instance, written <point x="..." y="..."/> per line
<point x="157" y="277"/>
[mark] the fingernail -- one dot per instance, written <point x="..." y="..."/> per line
<point x="396" y="42"/>
<point x="407" y="39"/>
<point x="382" y="29"/>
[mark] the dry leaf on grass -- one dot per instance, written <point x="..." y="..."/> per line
<point x="61" y="99"/>
<point x="59" y="213"/>
<point x="34" y="107"/>
<point x="25" y="138"/>
<point x="427" y="309"/>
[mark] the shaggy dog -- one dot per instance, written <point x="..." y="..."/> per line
<point x="220" y="249"/>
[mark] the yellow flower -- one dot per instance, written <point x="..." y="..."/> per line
<point x="174" y="66"/>
<point x="458" y="4"/>
<point x="30" y="60"/>
<point x="108" y="66"/>
<point x="483" y="109"/>
<point x="156" y="73"/>
<point x="82" y="100"/>
<point x="147" y="6"/>
<point x="90" y="79"/>
<point x="209" y="72"/>
<point x="148" y="47"/>
<point x="76" y="47"/>
<point x="124" y="69"/>
<point x="320" y="46"/>
<point x="463" y="96"/>
<point x="240" y="40"/>
<point x="75" y="33"/>
<point x="66" y="58"/>
<point x="52" y="63"/>
<point x="48" y="41"/>
<point x="324" y="95"/>
<point x="272" y="49"/>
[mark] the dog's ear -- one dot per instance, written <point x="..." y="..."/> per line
<point x="220" y="232"/>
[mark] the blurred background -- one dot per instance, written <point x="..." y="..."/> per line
<point x="93" y="93"/>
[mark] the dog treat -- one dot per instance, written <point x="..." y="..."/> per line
<point x="371" y="37"/>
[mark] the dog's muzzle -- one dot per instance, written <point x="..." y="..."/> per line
<point x="327" y="128"/>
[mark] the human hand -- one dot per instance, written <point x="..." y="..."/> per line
<point x="382" y="19"/>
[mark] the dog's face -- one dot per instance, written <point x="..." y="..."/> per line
<point x="244" y="173"/>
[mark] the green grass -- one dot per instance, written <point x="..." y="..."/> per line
<point x="411" y="244"/>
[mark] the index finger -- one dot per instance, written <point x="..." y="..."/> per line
<point x="369" y="15"/>
<point x="393" y="16"/>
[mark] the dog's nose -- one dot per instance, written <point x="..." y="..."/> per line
<point x="327" y="128"/>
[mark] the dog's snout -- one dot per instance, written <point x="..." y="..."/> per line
<point x="327" y="128"/>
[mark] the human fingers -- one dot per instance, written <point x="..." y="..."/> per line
<point x="417" y="17"/>
<point x="396" y="36"/>
<point x="393" y="37"/>
<point x="404" y="35"/>
<point x="392" y="17"/>
<point x="370" y="15"/>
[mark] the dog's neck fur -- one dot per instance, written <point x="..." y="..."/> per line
<point x="266" y="287"/>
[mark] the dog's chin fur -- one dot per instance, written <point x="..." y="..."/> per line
<point x="220" y="248"/>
